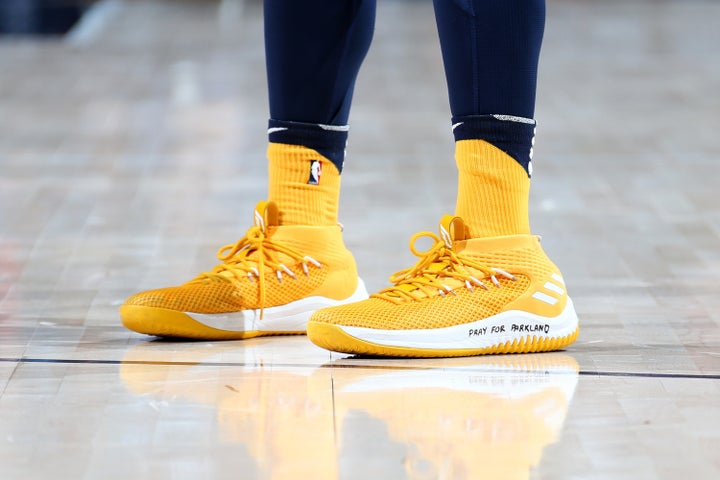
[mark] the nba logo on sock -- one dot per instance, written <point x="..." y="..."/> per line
<point x="315" y="172"/>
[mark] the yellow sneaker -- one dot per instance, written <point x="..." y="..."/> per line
<point x="268" y="283"/>
<point x="463" y="297"/>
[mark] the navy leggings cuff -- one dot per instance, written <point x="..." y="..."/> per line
<point x="513" y="135"/>
<point x="328" y="140"/>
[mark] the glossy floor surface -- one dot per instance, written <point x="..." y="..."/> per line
<point x="134" y="147"/>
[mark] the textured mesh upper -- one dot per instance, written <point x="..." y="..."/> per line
<point x="436" y="312"/>
<point x="224" y="291"/>
<point x="440" y="311"/>
<point x="223" y="296"/>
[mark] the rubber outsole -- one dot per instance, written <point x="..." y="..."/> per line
<point x="334" y="338"/>
<point x="162" y="322"/>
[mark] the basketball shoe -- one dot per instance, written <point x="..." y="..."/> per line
<point x="268" y="283"/>
<point x="465" y="296"/>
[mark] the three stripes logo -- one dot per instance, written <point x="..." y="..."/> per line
<point x="552" y="291"/>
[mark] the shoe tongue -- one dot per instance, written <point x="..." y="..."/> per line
<point x="452" y="229"/>
<point x="266" y="215"/>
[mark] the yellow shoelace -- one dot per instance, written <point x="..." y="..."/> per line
<point x="439" y="262"/>
<point x="250" y="257"/>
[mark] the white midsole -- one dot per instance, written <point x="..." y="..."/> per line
<point x="484" y="333"/>
<point x="291" y="317"/>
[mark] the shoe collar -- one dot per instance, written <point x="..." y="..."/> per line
<point x="494" y="244"/>
<point x="456" y="236"/>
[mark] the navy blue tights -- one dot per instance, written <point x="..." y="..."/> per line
<point x="490" y="50"/>
<point x="314" y="50"/>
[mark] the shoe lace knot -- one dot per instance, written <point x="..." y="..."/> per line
<point x="252" y="257"/>
<point x="430" y="275"/>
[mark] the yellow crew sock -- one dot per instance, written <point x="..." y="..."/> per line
<point x="304" y="184"/>
<point x="493" y="190"/>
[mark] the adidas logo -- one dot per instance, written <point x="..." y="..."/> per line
<point x="551" y="292"/>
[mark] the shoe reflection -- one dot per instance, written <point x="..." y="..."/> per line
<point x="479" y="417"/>
<point x="487" y="417"/>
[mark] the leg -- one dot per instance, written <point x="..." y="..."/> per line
<point x="485" y="286"/>
<point x="314" y="49"/>
<point x="490" y="51"/>
<point x="293" y="260"/>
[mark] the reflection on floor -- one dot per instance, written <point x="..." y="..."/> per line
<point x="469" y="418"/>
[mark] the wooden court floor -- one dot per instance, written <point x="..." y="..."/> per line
<point x="131" y="149"/>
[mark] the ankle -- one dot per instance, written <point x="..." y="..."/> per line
<point x="304" y="184"/>
<point x="493" y="190"/>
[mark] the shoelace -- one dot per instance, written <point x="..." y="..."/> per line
<point x="439" y="262"/>
<point x="250" y="257"/>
